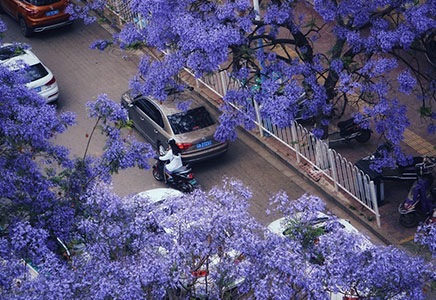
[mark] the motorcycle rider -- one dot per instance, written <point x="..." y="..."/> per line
<point x="174" y="157"/>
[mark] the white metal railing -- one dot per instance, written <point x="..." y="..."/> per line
<point x="344" y="176"/>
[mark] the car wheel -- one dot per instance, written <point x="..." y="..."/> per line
<point x="161" y="149"/>
<point x="25" y="30"/>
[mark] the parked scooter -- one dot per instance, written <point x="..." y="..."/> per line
<point x="182" y="178"/>
<point x="408" y="172"/>
<point x="419" y="201"/>
<point x="348" y="130"/>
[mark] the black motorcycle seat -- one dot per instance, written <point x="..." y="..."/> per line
<point x="346" y="123"/>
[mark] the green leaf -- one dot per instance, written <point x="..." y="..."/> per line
<point x="425" y="111"/>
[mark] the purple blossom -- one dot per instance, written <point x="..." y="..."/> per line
<point x="100" y="44"/>
<point x="272" y="56"/>
<point x="337" y="65"/>
<point x="407" y="82"/>
<point x="318" y="132"/>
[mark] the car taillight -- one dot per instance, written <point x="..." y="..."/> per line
<point x="31" y="12"/>
<point x="239" y="258"/>
<point x="53" y="80"/>
<point x="183" y="146"/>
<point x="200" y="273"/>
<point x="191" y="176"/>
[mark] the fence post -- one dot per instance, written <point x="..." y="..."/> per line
<point x="259" y="120"/>
<point x="333" y="168"/>
<point x="374" y="202"/>
<point x="295" y="138"/>
<point x="224" y="83"/>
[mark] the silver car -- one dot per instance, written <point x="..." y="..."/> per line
<point x="192" y="129"/>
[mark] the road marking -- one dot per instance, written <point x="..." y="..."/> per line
<point x="408" y="239"/>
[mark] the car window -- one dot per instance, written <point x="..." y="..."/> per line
<point x="190" y="120"/>
<point x="42" y="2"/>
<point x="150" y="110"/>
<point x="10" y="51"/>
<point x="36" y="72"/>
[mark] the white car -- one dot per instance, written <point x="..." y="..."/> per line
<point x="282" y="225"/>
<point x="40" y="77"/>
<point x="159" y="195"/>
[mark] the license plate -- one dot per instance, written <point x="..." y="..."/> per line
<point x="52" y="13"/>
<point x="204" y="144"/>
<point x="37" y="89"/>
<point x="193" y="181"/>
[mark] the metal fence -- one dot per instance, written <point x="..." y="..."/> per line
<point x="309" y="151"/>
<point x="122" y="13"/>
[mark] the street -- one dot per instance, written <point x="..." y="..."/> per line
<point x="82" y="74"/>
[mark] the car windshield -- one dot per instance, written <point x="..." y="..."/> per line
<point x="190" y="120"/>
<point x="10" y="51"/>
<point x="36" y="72"/>
<point x="42" y="2"/>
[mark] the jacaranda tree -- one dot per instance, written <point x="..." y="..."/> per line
<point x="336" y="54"/>
<point x="206" y="245"/>
<point x="200" y="245"/>
<point x="40" y="184"/>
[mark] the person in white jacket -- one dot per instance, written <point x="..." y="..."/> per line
<point x="174" y="157"/>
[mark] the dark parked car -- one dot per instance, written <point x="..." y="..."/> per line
<point x="192" y="129"/>
<point x="37" y="15"/>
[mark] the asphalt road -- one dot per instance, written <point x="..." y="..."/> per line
<point x="82" y="74"/>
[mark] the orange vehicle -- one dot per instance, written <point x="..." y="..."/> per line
<point x="37" y="15"/>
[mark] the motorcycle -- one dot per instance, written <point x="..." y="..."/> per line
<point x="348" y="130"/>
<point x="181" y="179"/>
<point x="419" y="201"/>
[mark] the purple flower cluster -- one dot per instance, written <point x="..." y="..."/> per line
<point x="407" y="82"/>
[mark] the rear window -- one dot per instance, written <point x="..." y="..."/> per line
<point x="190" y="120"/>
<point x="10" y="51"/>
<point x="42" y="2"/>
<point x="36" y="72"/>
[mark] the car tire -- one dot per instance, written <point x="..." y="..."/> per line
<point x="25" y="30"/>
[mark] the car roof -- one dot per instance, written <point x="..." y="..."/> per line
<point x="160" y="194"/>
<point x="279" y="226"/>
<point x="170" y="105"/>
<point x="27" y="57"/>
